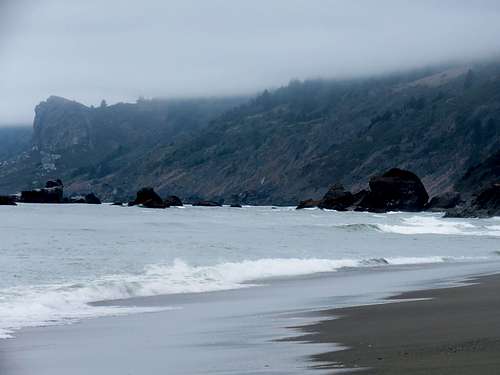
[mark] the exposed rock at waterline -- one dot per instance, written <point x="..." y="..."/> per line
<point x="173" y="201"/>
<point x="485" y="204"/>
<point x="52" y="193"/>
<point x="444" y="201"/>
<point x="308" y="203"/>
<point x="207" y="204"/>
<point x="6" y="200"/>
<point x="395" y="190"/>
<point x="147" y="197"/>
<point x="92" y="199"/>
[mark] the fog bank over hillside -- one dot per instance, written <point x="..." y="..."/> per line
<point x="120" y="50"/>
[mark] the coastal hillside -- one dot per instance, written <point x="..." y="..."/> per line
<point x="480" y="176"/>
<point x="280" y="147"/>
<point x="14" y="140"/>
<point x="87" y="146"/>
<point x="294" y="142"/>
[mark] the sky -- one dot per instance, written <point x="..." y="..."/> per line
<point x="118" y="50"/>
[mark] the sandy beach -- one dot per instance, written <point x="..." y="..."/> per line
<point x="452" y="331"/>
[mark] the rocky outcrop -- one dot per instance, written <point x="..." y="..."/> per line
<point x="308" y="203"/>
<point x="173" y="201"/>
<point x="337" y="198"/>
<point x="92" y="199"/>
<point x="479" y="177"/>
<point x="52" y="138"/>
<point x="395" y="190"/>
<point x="52" y="193"/>
<point x="444" y="201"/>
<point x="481" y="188"/>
<point x="6" y="200"/>
<point x="147" y="197"/>
<point x="289" y="143"/>
<point x="203" y="203"/>
<point x="485" y="204"/>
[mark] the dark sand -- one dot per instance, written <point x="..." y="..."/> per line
<point x="457" y="332"/>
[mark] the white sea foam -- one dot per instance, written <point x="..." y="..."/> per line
<point x="31" y="306"/>
<point x="434" y="225"/>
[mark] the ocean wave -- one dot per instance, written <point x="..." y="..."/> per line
<point x="434" y="225"/>
<point x="41" y="305"/>
<point x="357" y="227"/>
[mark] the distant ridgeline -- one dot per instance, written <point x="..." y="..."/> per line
<point x="280" y="147"/>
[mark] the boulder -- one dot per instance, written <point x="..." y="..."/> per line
<point x="207" y="204"/>
<point x="173" y="201"/>
<point x="444" y="202"/>
<point x="152" y="203"/>
<point x="6" y="200"/>
<point x="92" y="199"/>
<point x="52" y="193"/>
<point x="395" y="190"/>
<point x="117" y="204"/>
<point x="308" y="203"/>
<point x="337" y="198"/>
<point x="236" y="205"/>
<point x="485" y="204"/>
<point x="147" y="197"/>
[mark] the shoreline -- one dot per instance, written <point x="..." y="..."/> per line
<point x="241" y="325"/>
<point x="452" y="330"/>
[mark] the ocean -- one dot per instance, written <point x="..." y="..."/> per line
<point x="67" y="264"/>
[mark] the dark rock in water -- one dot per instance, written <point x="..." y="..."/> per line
<point x="117" y="204"/>
<point x="485" y="204"/>
<point x="92" y="199"/>
<point x="207" y="204"/>
<point x="7" y="201"/>
<point x="236" y="205"/>
<point x="52" y="193"/>
<point x="337" y="198"/>
<point x="147" y="197"/>
<point x="395" y="190"/>
<point x="308" y="203"/>
<point x="444" y="201"/>
<point x="153" y="204"/>
<point x="54" y="183"/>
<point x="173" y="201"/>
<point x="358" y="198"/>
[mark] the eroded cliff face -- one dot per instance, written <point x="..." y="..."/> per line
<point x="89" y="147"/>
<point x="61" y="125"/>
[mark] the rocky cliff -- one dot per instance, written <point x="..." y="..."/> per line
<point x="280" y="147"/>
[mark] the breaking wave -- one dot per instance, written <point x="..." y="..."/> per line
<point x="358" y="227"/>
<point x="433" y="225"/>
<point x="30" y="306"/>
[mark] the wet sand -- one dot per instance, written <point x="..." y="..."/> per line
<point x="456" y="331"/>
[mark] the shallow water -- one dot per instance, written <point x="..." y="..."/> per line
<point x="56" y="259"/>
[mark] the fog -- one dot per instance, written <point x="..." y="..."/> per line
<point x="119" y="50"/>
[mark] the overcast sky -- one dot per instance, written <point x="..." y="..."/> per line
<point x="119" y="50"/>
